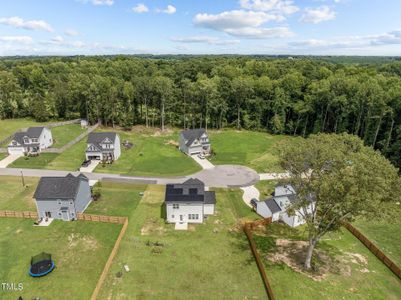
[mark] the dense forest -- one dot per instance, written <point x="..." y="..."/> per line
<point x="296" y="96"/>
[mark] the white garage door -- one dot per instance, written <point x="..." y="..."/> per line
<point x="16" y="150"/>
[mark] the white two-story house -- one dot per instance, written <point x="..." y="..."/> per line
<point x="276" y="206"/>
<point x="104" y="146"/>
<point x="31" y="141"/>
<point x="194" y="141"/>
<point x="189" y="202"/>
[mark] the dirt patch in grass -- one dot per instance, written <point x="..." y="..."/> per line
<point x="152" y="227"/>
<point x="293" y="253"/>
<point x="84" y="242"/>
<point x="172" y="143"/>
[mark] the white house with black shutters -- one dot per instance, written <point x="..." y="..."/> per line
<point x="276" y="206"/>
<point x="189" y="202"/>
<point x="104" y="146"/>
<point x="31" y="141"/>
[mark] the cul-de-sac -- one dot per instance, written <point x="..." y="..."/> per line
<point x="203" y="150"/>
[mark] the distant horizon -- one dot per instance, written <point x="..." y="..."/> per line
<point x="207" y="27"/>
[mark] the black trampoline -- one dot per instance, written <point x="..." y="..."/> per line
<point x="41" y="265"/>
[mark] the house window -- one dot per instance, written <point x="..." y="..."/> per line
<point x="172" y="216"/>
<point x="190" y="217"/>
<point x="70" y="202"/>
<point x="193" y="191"/>
<point x="14" y="143"/>
<point x="176" y="206"/>
<point x="26" y="141"/>
<point x="34" y="140"/>
<point x="59" y="202"/>
<point x="193" y="216"/>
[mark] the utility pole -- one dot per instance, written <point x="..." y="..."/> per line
<point x="23" y="180"/>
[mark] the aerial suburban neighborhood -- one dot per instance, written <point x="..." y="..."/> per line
<point x="233" y="149"/>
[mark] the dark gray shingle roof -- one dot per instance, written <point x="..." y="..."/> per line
<point x="96" y="138"/>
<point x="272" y="205"/>
<point x="31" y="132"/>
<point x="192" y="190"/>
<point x="192" y="134"/>
<point x="59" y="187"/>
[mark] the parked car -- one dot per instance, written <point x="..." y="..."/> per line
<point x="86" y="163"/>
<point x="201" y="156"/>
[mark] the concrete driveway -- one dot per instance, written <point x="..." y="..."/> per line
<point x="250" y="192"/>
<point x="9" y="159"/>
<point x="92" y="166"/>
<point x="204" y="163"/>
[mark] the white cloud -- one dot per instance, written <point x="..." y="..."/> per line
<point x="18" y="22"/>
<point x="243" y="23"/>
<point x="168" y="10"/>
<point x="317" y="15"/>
<point x="140" y="8"/>
<point x="71" y="32"/>
<point x="285" y="7"/>
<point x="20" y="39"/>
<point x="204" y="40"/>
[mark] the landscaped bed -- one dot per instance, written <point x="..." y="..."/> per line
<point x="253" y="149"/>
<point x="210" y="261"/>
<point x="79" y="249"/>
<point x="344" y="267"/>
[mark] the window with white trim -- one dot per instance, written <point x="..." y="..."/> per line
<point x="176" y="206"/>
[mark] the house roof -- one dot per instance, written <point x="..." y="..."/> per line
<point x="192" y="134"/>
<point x="192" y="190"/>
<point x="59" y="187"/>
<point x="97" y="138"/>
<point x="31" y="132"/>
<point x="272" y="205"/>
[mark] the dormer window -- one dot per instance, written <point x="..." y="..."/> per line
<point x="26" y="140"/>
<point x="14" y="143"/>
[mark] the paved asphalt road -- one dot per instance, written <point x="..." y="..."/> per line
<point x="220" y="176"/>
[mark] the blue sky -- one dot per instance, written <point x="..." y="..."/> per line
<point x="320" y="27"/>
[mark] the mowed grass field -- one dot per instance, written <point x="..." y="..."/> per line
<point x="385" y="232"/>
<point x="346" y="268"/>
<point x="153" y="154"/>
<point x="79" y="249"/>
<point x="64" y="134"/>
<point x="210" y="261"/>
<point x="253" y="149"/>
<point x="9" y="126"/>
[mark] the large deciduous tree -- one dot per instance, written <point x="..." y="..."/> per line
<point x="345" y="178"/>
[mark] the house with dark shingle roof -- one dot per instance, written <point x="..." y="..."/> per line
<point x="188" y="202"/>
<point x="194" y="141"/>
<point x="104" y="146"/>
<point x="31" y="141"/>
<point x="62" y="197"/>
<point x="276" y="206"/>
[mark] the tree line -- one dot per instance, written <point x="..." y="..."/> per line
<point x="298" y="96"/>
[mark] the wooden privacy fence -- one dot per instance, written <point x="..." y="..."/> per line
<point x="99" y="218"/>
<point x="107" y="266"/>
<point x="374" y="249"/>
<point x="18" y="214"/>
<point x="248" y="227"/>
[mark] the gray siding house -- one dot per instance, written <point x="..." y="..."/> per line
<point x="188" y="202"/>
<point x="194" y="141"/>
<point x="62" y="197"/>
<point x="103" y="146"/>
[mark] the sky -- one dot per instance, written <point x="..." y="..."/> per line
<point x="293" y="27"/>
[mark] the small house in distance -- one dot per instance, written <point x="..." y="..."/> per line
<point x="104" y="146"/>
<point x="31" y="142"/>
<point x="62" y="197"/>
<point x="194" y="141"/>
<point x="276" y="206"/>
<point x="189" y="202"/>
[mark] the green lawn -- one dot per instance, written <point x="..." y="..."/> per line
<point x="253" y="149"/>
<point x="385" y="232"/>
<point x="210" y="261"/>
<point x="354" y="272"/>
<point x="266" y="188"/>
<point x="64" y="134"/>
<point x="79" y="250"/>
<point x="117" y="199"/>
<point x="34" y="162"/>
<point x="3" y="155"/>
<point x="152" y="155"/>
<point x="9" y="126"/>
<point x="14" y="196"/>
